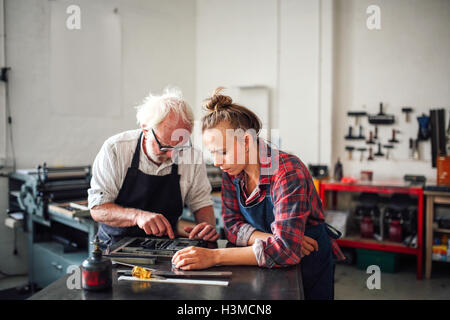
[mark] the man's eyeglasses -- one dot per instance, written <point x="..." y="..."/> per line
<point x="170" y="148"/>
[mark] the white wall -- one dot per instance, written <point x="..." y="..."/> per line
<point x="277" y="44"/>
<point x="236" y="45"/>
<point x="158" y="48"/>
<point x="405" y="63"/>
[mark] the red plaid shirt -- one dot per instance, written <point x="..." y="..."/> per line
<point x="296" y="205"/>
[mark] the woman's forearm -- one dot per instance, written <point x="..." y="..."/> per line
<point x="258" y="235"/>
<point x="236" y="256"/>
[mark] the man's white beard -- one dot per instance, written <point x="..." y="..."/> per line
<point x="156" y="158"/>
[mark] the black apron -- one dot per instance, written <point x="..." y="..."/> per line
<point x="158" y="194"/>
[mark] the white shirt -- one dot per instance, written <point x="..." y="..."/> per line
<point x="112" y="162"/>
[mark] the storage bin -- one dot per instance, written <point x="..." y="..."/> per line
<point x="387" y="261"/>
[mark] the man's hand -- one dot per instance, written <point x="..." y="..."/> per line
<point x="308" y="246"/>
<point x="154" y="223"/>
<point x="203" y="231"/>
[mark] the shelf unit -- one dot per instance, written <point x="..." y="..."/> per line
<point x="390" y="187"/>
<point x="433" y="196"/>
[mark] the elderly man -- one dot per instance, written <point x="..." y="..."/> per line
<point x="138" y="189"/>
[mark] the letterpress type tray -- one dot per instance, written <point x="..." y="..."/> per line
<point x="150" y="247"/>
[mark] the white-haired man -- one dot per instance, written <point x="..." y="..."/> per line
<point x="137" y="189"/>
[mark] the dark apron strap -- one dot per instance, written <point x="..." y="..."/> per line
<point x="174" y="168"/>
<point x="135" y="161"/>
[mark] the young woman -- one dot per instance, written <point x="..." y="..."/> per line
<point x="270" y="207"/>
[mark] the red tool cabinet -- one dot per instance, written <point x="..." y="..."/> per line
<point x="390" y="187"/>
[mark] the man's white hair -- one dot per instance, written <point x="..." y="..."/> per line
<point x="155" y="108"/>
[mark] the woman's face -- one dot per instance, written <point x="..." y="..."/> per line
<point x="229" y="147"/>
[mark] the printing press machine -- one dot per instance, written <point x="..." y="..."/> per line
<point x="56" y="218"/>
<point x="57" y="221"/>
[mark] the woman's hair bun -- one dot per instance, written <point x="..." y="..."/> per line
<point x="217" y="101"/>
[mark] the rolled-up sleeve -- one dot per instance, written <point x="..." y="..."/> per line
<point x="199" y="193"/>
<point x="105" y="184"/>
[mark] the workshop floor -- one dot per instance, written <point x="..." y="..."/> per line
<point x="350" y="283"/>
<point x="12" y="288"/>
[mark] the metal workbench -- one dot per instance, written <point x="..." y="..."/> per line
<point x="246" y="283"/>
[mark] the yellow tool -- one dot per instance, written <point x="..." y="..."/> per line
<point x="141" y="272"/>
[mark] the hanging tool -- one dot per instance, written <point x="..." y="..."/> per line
<point x="361" y="136"/>
<point x="338" y="170"/>
<point x="424" y="127"/>
<point x="350" y="151"/>
<point x="393" y="139"/>
<point x="350" y="135"/>
<point x="357" y="115"/>
<point x="416" y="155"/>
<point x="381" y="117"/>
<point x="388" y="147"/>
<point x="362" y="150"/>
<point x="370" y="158"/>
<point x="411" y="149"/>
<point x="375" y="136"/>
<point x="379" y="153"/>
<point x="371" y="140"/>
<point x="407" y="111"/>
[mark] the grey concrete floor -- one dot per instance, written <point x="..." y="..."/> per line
<point x="13" y="282"/>
<point x="350" y="283"/>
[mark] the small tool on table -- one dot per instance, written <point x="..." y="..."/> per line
<point x="139" y="273"/>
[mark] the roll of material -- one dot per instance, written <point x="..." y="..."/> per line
<point x="438" y="138"/>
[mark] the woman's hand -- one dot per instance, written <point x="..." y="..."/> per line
<point x="192" y="258"/>
<point x="203" y="231"/>
<point x="309" y="245"/>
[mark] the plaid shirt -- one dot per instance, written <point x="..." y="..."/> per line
<point x="296" y="205"/>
